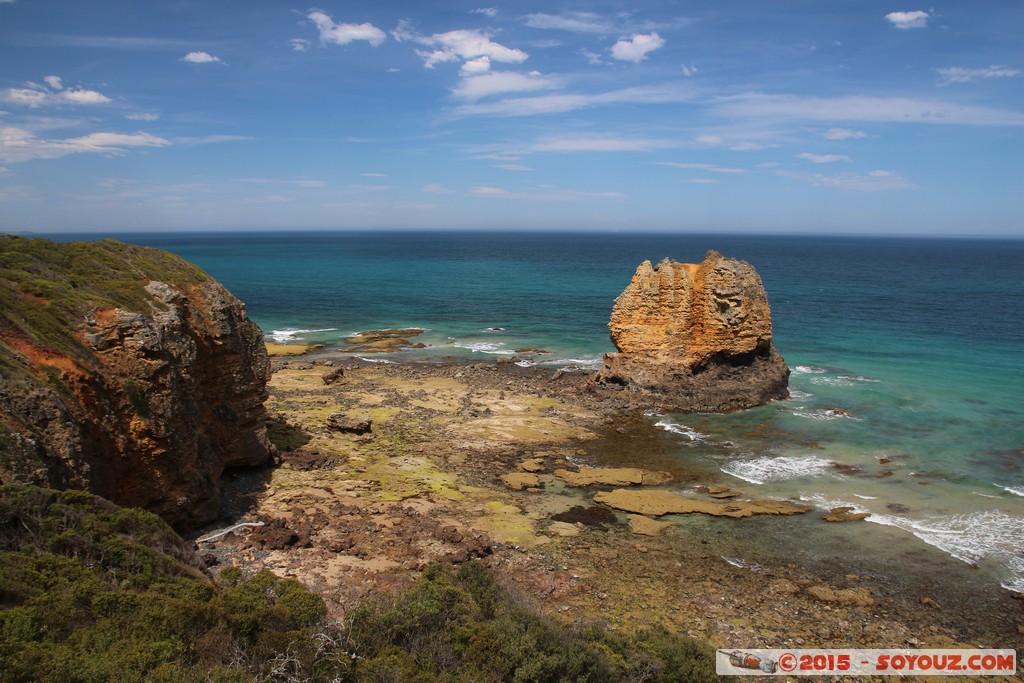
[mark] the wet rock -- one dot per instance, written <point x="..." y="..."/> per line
<point x="595" y="516"/>
<point x="658" y="502"/>
<point x="897" y="508"/>
<point x="845" y="514"/>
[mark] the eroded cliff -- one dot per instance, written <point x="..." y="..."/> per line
<point x="698" y="337"/>
<point x="128" y="372"/>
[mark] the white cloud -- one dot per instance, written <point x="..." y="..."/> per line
<point x="543" y="194"/>
<point x="476" y="66"/>
<point x="343" y="34"/>
<point x="959" y="74"/>
<point x="592" y="57"/>
<point x="514" y="167"/>
<point x="201" y="58"/>
<point x="18" y="144"/>
<point x="461" y="45"/>
<point x="299" y="44"/>
<point x="746" y="146"/>
<point x="84" y="97"/>
<point x="295" y="182"/>
<point x="710" y="140"/>
<point x="435" y="188"/>
<point x="823" y="158"/>
<point x="601" y="144"/>
<point x="703" y="181"/>
<point x="701" y="167"/>
<point x="486" y="11"/>
<point x="370" y="174"/>
<point x="843" y="134"/>
<point x="555" y="104"/>
<point x="636" y="49"/>
<point x="501" y="82"/>
<point x="689" y="70"/>
<point x="862" y="108"/>
<point x="874" y="181"/>
<point x="578" y="22"/>
<point x="36" y="95"/>
<point x="907" y="20"/>
<point x="142" y="116"/>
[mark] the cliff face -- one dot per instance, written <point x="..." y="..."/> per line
<point x="127" y="372"/>
<point x="699" y="336"/>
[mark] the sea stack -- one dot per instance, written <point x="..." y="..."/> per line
<point x="695" y="338"/>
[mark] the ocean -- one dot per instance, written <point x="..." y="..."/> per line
<point x="907" y="385"/>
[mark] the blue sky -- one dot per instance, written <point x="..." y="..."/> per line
<point x="830" y="116"/>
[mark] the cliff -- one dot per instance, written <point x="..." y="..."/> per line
<point x="127" y="372"/>
<point x="696" y="336"/>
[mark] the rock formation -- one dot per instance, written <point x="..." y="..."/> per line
<point x="698" y="336"/>
<point x="127" y="372"/>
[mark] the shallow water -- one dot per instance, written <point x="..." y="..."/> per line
<point x="905" y="356"/>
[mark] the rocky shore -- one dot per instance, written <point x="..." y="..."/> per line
<point x="556" y="483"/>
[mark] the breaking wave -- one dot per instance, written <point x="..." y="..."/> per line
<point x="763" y="470"/>
<point x="291" y="334"/>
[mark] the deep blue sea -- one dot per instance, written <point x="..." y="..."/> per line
<point x="907" y="356"/>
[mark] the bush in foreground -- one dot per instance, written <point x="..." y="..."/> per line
<point x="93" y="592"/>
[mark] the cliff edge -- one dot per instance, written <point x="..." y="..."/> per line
<point x="696" y="337"/>
<point x="127" y="372"/>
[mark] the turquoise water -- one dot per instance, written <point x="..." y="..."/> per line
<point x="906" y="354"/>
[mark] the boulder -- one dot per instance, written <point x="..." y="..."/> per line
<point x="695" y="337"/>
<point x="340" y="422"/>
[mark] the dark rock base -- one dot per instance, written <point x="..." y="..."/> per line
<point x="722" y="385"/>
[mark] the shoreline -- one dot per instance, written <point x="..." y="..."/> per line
<point x="358" y="513"/>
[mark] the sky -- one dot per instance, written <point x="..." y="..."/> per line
<point x="789" y="116"/>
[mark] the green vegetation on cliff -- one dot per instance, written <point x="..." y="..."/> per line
<point x="46" y="287"/>
<point x="93" y="592"/>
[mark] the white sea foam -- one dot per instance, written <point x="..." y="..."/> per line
<point x="986" y="535"/>
<point x="377" y="360"/>
<point x="822" y="503"/>
<point x="781" y="468"/>
<point x="1015" y="490"/>
<point x="842" y="380"/>
<point x="825" y="414"/>
<point x="484" y="347"/>
<point x="984" y="495"/>
<point x="866" y="497"/>
<point x="574" y="364"/>
<point x="290" y="334"/>
<point x="524" y="363"/>
<point x="676" y="428"/>
<point x="797" y="395"/>
<point x="734" y="561"/>
<point x="808" y="370"/>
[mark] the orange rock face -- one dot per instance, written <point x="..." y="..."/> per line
<point x="700" y="335"/>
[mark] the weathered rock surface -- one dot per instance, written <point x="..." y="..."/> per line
<point x="612" y="476"/>
<point x="127" y="372"/>
<point x="696" y="336"/>
<point x="340" y="422"/>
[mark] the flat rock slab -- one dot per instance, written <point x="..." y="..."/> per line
<point x="845" y="514"/>
<point x="657" y="502"/>
<point x="645" y="526"/>
<point x="521" y="480"/>
<point x="532" y="465"/>
<point x="340" y="422"/>
<point x="613" y="476"/>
